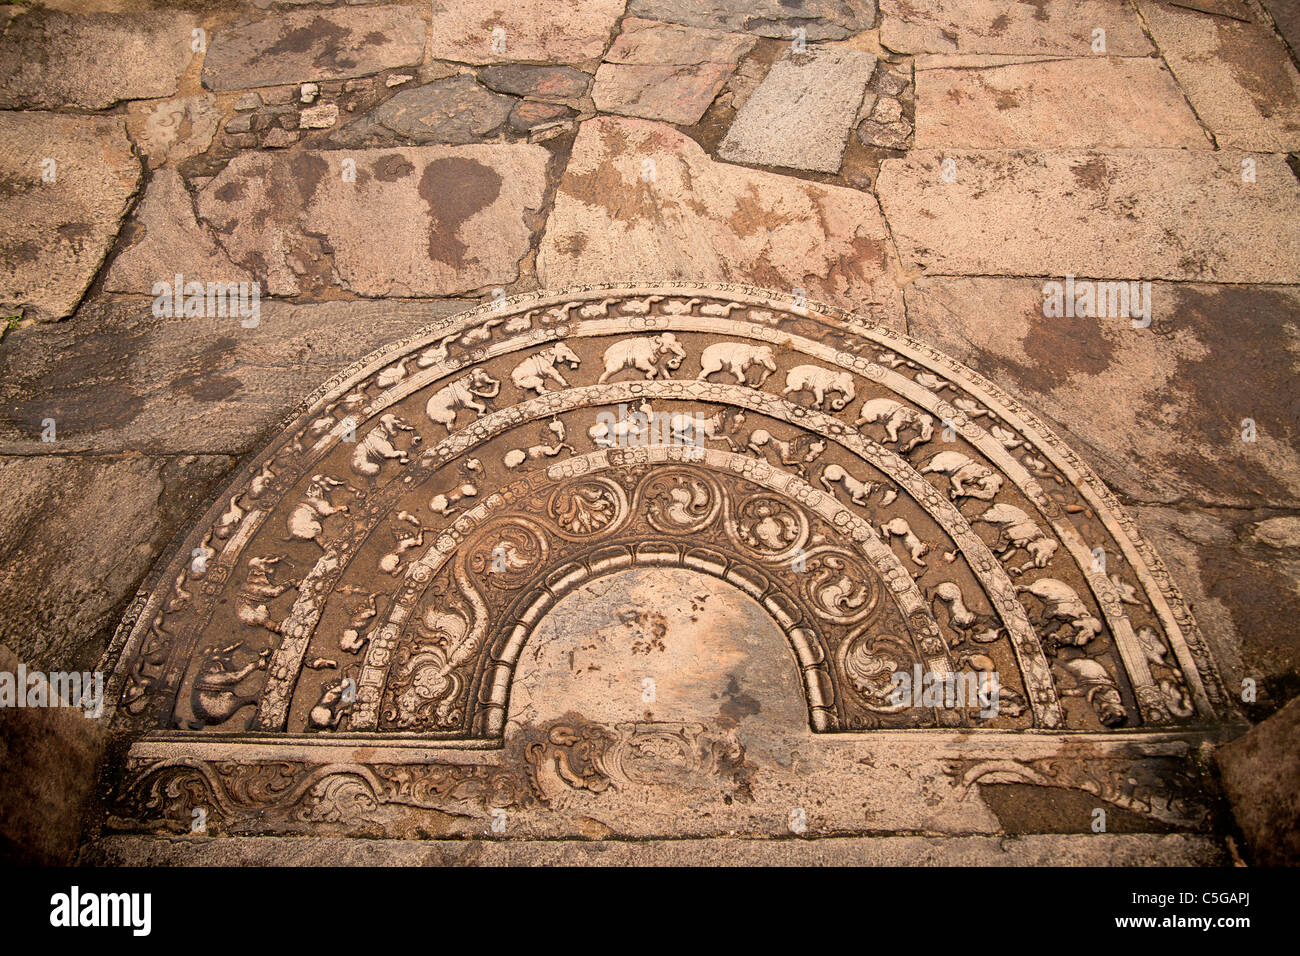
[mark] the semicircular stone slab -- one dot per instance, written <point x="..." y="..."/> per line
<point x="415" y="541"/>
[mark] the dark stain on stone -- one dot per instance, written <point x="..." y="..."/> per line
<point x="1028" y="808"/>
<point x="213" y="388"/>
<point x="454" y="189"/>
<point x="1261" y="599"/>
<point x="308" y="171"/>
<point x="738" y="705"/>
<point x="390" y="168"/>
<point x="1040" y="9"/>
<point x="1263" y="73"/>
<point x="322" y="35"/>
<point x="75" y="232"/>
<point x="1248" y="371"/>
<point x="21" y="253"/>
<point x="230" y="192"/>
<point x="1092" y="174"/>
<point x="1058" y="349"/>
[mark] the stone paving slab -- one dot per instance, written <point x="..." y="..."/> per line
<point x="1261" y="775"/>
<point x="1070" y="103"/>
<point x="61" y="588"/>
<point x="168" y="239"/>
<point x="995" y="26"/>
<point x="50" y="59"/>
<point x="1160" y="409"/>
<point x="710" y="221"/>
<point x="666" y="72"/>
<point x="1127" y="214"/>
<point x="801" y="114"/>
<point x="317" y="45"/>
<point x="538" y="31"/>
<point x="1038" y="850"/>
<point x="117" y="379"/>
<point x="819" y="19"/>
<point x="57" y="233"/>
<point x="1240" y="588"/>
<point x="417" y="221"/>
<point x="1286" y="14"/>
<point x="1238" y="76"/>
<point x="456" y="111"/>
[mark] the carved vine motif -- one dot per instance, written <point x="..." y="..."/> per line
<point x="864" y="410"/>
<point x="544" y="767"/>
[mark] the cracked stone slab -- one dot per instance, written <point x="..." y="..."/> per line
<point x="1238" y="76"/>
<point x="50" y="59"/>
<point x="61" y="590"/>
<point x="1160" y="408"/>
<point x="190" y="384"/>
<point x="169" y="240"/>
<point x="418" y="221"/>
<point x="320" y="45"/>
<point x="666" y="72"/>
<point x="820" y="19"/>
<point x="995" y="26"/>
<point x="801" y="115"/>
<point x="1128" y="214"/>
<point x="57" y="233"/>
<point x="1079" y="103"/>
<point x="554" y="31"/>
<point x="455" y="111"/>
<point x="710" y="220"/>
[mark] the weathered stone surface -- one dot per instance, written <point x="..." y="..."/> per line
<point x="317" y="45"/>
<point x="540" y="82"/>
<point x="456" y="111"/>
<point x="1095" y="102"/>
<point x="57" y="233"/>
<point x="666" y="72"/>
<point x="709" y="220"/>
<point x="801" y="115"/>
<point x="1261" y="775"/>
<point x="1116" y="850"/>
<point x="820" y="19"/>
<point x="62" y="591"/>
<point x="993" y="26"/>
<point x="169" y="240"/>
<point x="322" y="116"/>
<point x="418" y="221"/>
<point x="554" y="31"/>
<point x="191" y="385"/>
<point x="1238" y="76"/>
<point x="1125" y="214"/>
<point x="50" y="59"/>
<point x="173" y="130"/>
<point x="1240" y="591"/>
<point x="51" y="759"/>
<point x="1286" y="14"/>
<point x="1160" y="408"/>
<point x="527" y="115"/>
